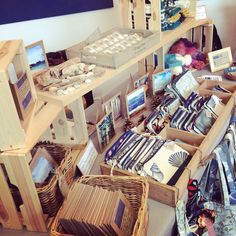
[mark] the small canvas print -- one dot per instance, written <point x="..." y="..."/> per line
<point x="105" y="130"/>
<point x="143" y="80"/>
<point x="37" y="57"/>
<point x="136" y="100"/>
<point x="160" y="80"/>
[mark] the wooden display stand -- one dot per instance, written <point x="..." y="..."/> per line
<point x="49" y="115"/>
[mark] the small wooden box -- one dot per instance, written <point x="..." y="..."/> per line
<point x="117" y="59"/>
<point x="17" y="95"/>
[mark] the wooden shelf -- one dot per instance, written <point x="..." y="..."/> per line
<point x="166" y="37"/>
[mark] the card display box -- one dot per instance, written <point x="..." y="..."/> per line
<point x="199" y="146"/>
<point x="17" y="98"/>
<point x="117" y="59"/>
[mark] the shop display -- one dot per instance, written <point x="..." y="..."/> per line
<point x="94" y="210"/>
<point x="67" y="77"/>
<point x="211" y="202"/>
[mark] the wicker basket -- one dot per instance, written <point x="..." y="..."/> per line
<point x="50" y="195"/>
<point x="134" y="188"/>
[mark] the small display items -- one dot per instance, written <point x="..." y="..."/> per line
<point x="149" y="156"/>
<point x="92" y="210"/>
<point x="105" y="130"/>
<point x="114" y="105"/>
<point x="220" y="59"/>
<point x="114" y="43"/>
<point x="65" y="78"/>
<point x="160" y="80"/>
<point x="36" y="56"/>
<point x="135" y="101"/>
<point x="20" y="88"/>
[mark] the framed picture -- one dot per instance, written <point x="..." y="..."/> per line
<point x="220" y="59"/>
<point x="160" y="80"/>
<point x="143" y="80"/>
<point x="114" y="105"/>
<point x="135" y="101"/>
<point x="105" y="130"/>
<point x="41" y="165"/>
<point x="37" y="57"/>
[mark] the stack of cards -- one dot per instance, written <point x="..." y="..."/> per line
<point x="96" y="211"/>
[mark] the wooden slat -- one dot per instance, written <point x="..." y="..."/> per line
<point x="80" y="126"/>
<point x="218" y="130"/>
<point x="125" y="13"/>
<point x="198" y="36"/>
<point x="154" y="21"/>
<point x="8" y="212"/>
<point x="20" y="175"/>
<point x="208" y="31"/>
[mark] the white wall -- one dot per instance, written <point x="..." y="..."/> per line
<point x="62" y="31"/>
<point x="223" y="12"/>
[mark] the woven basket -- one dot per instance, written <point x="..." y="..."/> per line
<point x="134" y="188"/>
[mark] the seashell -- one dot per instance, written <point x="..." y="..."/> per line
<point x="81" y="66"/>
<point x="59" y="92"/>
<point x="70" y="89"/>
<point x="76" y="86"/>
<point x="177" y="158"/>
<point x="91" y="67"/>
<point x="87" y="81"/>
<point x="89" y="74"/>
<point x="70" y="70"/>
<point x="156" y="172"/>
<point x="65" y="92"/>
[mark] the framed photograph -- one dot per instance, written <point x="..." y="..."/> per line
<point x="41" y="165"/>
<point x="114" y="105"/>
<point x="105" y="130"/>
<point x="135" y="101"/>
<point x="220" y="59"/>
<point x="142" y="81"/>
<point x="86" y="161"/>
<point x="160" y="80"/>
<point x="37" y="57"/>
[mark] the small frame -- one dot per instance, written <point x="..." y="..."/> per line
<point x="37" y="57"/>
<point x="114" y="105"/>
<point x="105" y="130"/>
<point x="160" y="80"/>
<point x="41" y="165"/>
<point x="135" y="101"/>
<point x="220" y="59"/>
<point x="142" y="81"/>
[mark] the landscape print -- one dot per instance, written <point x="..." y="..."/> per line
<point x="36" y="57"/>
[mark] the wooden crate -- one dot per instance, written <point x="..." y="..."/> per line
<point x="199" y="146"/>
<point x="14" y="128"/>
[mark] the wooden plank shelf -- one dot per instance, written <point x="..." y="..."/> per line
<point x="167" y="37"/>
